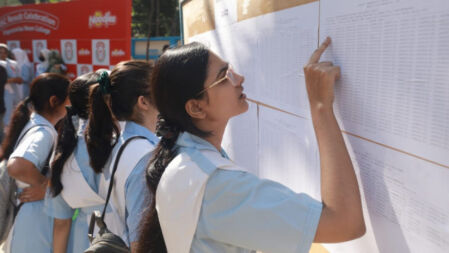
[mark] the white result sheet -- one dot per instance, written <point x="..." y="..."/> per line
<point x="394" y="57"/>
<point x="288" y="151"/>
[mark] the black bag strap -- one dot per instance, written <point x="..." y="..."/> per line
<point x="44" y="170"/>
<point x="95" y="216"/>
<point x="114" y="169"/>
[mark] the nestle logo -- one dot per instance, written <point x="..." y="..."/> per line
<point x="99" y="19"/>
<point x="84" y="51"/>
<point x="118" y="52"/>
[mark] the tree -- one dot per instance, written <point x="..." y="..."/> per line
<point x="164" y="21"/>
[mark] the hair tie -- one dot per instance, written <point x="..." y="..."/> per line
<point x="166" y="129"/>
<point x="27" y="100"/>
<point x="105" y="83"/>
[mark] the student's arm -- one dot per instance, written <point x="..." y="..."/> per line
<point x="17" y="80"/>
<point x="61" y="232"/>
<point x="23" y="164"/>
<point x="58" y="209"/>
<point x="342" y="216"/>
<point x="25" y="171"/>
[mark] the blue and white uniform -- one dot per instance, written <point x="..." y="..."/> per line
<point x="80" y="191"/>
<point x="206" y="203"/>
<point x="130" y="194"/>
<point x="12" y="92"/>
<point x="32" y="224"/>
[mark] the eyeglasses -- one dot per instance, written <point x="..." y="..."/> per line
<point x="230" y="75"/>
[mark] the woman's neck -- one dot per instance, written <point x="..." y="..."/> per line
<point x="50" y="118"/>
<point x="217" y="132"/>
<point x="149" y="122"/>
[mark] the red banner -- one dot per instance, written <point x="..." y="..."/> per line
<point x="89" y="34"/>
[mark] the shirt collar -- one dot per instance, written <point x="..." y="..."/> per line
<point x="134" y="129"/>
<point x="189" y="140"/>
<point x="82" y="124"/>
<point x="39" y="120"/>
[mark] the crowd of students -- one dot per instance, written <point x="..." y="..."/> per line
<point x="155" y="133"/>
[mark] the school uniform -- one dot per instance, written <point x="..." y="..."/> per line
<point x="26" y="73"/>
<point x="130" y="194"/>
<point x="80" y="191"/>
<point x="33" y="229"/>
<point x="206" y="203"/>
<point x="12" y="90"/>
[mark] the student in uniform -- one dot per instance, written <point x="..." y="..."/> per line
<point x="11" y="92"/>
<point x="123" y="96"/>
<point x="26" y="71"/>
<point x="203" y="201"/>
<point x="28" y="157"/>
<point x="3" y="79"/>
<point x="73" y="183"/>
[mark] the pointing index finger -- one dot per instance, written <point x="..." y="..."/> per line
<point x="315" y="58"/>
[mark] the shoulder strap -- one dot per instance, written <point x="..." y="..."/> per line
<point x="25" y="133"/>
<point x="44" y="170"/>
<point x="117" y="159"/>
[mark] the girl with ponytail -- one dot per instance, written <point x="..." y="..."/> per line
<point x="203" y="202"/>
<point x="124" y="95"/>
<point x="73" y="183"/>
<point x="28" y="145"/>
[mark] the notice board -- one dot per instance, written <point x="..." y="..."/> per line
<point x="392" y="103"/>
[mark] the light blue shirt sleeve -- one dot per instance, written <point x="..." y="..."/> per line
<point x="137" y="197"/>
<point x="26" y="74"/>
<point x="243" y="210"/>
<point x="56" y="207"/>
<point x="35" y="147"/>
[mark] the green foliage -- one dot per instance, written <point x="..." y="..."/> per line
<point x="164" y="18"/>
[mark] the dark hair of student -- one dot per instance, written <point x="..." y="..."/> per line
<point x="42" y="89"/>
<point x="3" y="80"/>
<point x="178" y="76"/>
<point x="114" y="99"/>
<point x="67" y="137"/>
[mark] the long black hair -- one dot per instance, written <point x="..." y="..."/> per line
<point x="67" y="137"/>
<point x="114" y="100"/>
<point x="178" y="76"/>
<point x="42" y="89"/>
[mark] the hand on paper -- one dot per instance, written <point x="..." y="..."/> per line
<point x="320" y="79"/>
<point x="342" y="216"/>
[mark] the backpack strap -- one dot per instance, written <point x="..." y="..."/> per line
<point x="100" y="220"/>
<point x="25" y="133"/>
<point x="45" y="169"/>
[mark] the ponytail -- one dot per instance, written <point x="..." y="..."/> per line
<point x="19" y="119"/>
<point x="67" y="140"/>
<point x="68" y="131"/>
<point x="101" y="129"/>
<point x="151" y="238"/>
<point x="178" y="76"/>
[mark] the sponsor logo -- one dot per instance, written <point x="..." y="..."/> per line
<point x="84" y="51"/>
<point x="99" y="19"/>
<point x="118" y="52"/>
<point x="29" y="16"/>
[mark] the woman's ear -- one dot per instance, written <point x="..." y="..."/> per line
<point x="54" y="101"/>
<point x="195" y="110"/>
<point x="143" y="103"/>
